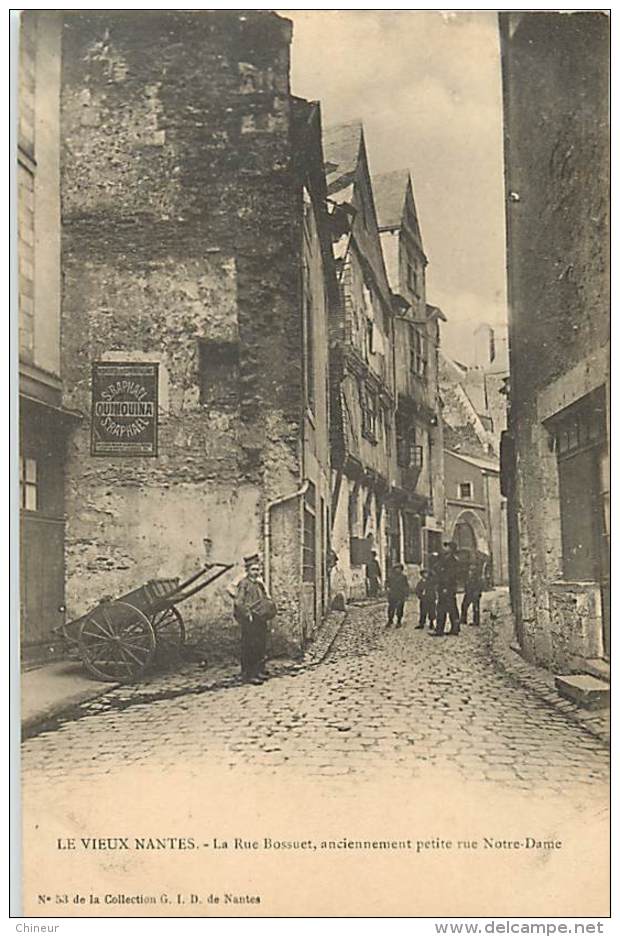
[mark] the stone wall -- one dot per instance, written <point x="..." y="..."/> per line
<point x="38" y="191"/>
<point x="556" y="88"/>
<point x="181" y="230"/>
<point x="25" y="184"/>
<point x="555" y="69"/>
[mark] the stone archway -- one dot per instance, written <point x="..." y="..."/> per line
<point x="470" y="533"/>
<point x="464" y="536"/>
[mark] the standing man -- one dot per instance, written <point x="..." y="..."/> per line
<point x="373" y="575"/>
<point x="253" y="608"/>
<point x="398" y="593"/>
<point x="447" y="580"/>
<point x="473" y="591"/>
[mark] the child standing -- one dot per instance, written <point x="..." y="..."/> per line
<point x="427" y="594"/>
<point x="398" y="593"/>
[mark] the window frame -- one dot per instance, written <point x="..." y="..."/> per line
<point x="578" y="436"/>
<point x="27" y="485"/>
<point x="418" y="353"/>
<point x="465" y="497"/>
<point x="369" y="405"/>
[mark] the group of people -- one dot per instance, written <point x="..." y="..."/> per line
<point x="436" y="592"/>
<point x="253" y="607"/>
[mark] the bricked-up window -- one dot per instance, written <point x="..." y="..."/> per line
<point x="413" y="538"/>
<point x="581" y="447"/>
<point x="28" y="484"/>
<point x="219" y="372"/>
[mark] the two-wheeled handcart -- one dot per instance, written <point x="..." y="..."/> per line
<point x="121" y="638"/>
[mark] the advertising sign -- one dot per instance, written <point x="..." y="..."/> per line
<point x="124" y="408"/>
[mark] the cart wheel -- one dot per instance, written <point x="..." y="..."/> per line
<point x="116" y="642"/>
<point x="169" y="635"/>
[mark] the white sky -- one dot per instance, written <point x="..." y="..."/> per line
<point x="427" y="87"/>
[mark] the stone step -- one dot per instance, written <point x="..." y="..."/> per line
<point x="584" y="690"/>
<point x="597" y="667"/>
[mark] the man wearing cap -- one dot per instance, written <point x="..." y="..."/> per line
<point x="447" y="580"/>
<point x="252" y="609"/>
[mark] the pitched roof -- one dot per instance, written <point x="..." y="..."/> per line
<point x="434" y="312"/>
<point x="487" y="465"/>
<point x="390" y="189"/>
<point x="341" y="147"/>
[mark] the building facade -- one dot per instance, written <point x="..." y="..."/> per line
<point x="195" y="238"/>
<point x="476" y="511"/>
<point x="419" y="433"/>
<point x="365" y="508"/>
<point x="45" y="424"/>
<point x="474" y="416"/>
<point x="556" y="453"/>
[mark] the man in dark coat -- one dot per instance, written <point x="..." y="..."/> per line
<point x="373" y="575"/>
<point x="249" y="606"/>
<point x="426" y="591"/>
<point x="473" y="591"/>
<point x="447" y="580"/>
<point x="398" y="593"/>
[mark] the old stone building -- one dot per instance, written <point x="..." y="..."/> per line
<point x="556" y="454"/>
<point x="45" y="423"/>
<point x="474" y="415"/>
<point x="195" y="239"/>
<point x="476" y="511"/>
<point x="365" y="508"/>
<point x="419" y="432"/>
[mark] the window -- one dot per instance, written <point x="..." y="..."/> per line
<point x="309" y="369"/>
<point x="370" y="341"/>
<point x="309" y="547"/>
<point x="417" y="353"/>
<point x="407" y="452"/>
<point x="466" y="491"/>
<point x="413" y="538"/>
<point x="369" y="408"/>
<point x="392" y="530"/>
<point x="219" y="372"/>
<point x="387" y="425"/>
<point x="353" y="514"/>
<point x="367" y="316"/>
<point x="28" y="484"/>
<point x="581" y="448"/>
<point x="412" y="279"/>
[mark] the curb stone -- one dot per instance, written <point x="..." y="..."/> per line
<point x="499" y="644"/>
<point x="318" y="650"/>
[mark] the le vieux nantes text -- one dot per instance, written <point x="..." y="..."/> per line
<point x="267" y="843"/>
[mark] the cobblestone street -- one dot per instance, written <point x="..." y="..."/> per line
<point x="383" y="701"/>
